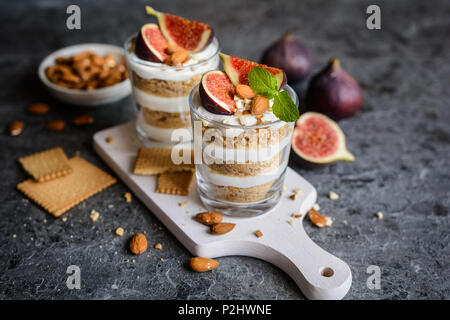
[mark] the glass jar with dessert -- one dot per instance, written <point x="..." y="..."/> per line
<point x="243" y="121"/>
<point x="165" y="62"/>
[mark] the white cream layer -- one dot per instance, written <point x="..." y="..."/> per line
<point x="150" y="70"/>
<point x="241" y="182"/>
<point x="163" y="134"/>
<point x="164" y="104"/>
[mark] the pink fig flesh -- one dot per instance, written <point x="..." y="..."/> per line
<point x="217" y="93"/>
<point x="151" y="44"/>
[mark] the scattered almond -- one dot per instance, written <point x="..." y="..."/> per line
<point x="200" y="264"/>
<point x="244" y="91"/>
<point x="177" y="58"/>
<point x="379" y="215"/>
<point x="16" y="128"/>
<point x="172" y="48"/>
<point x="82" y="120"/>
<point x="109" y="139"/>
<point x="127" y="196"/>
<point x="138" y="243"/>
<point x="119" y="231"/>
<point x="333" y="195"/>
<point x="38" y="109"/>
<point x="259" y="105"/>
<point x="258" y="233"/>
<point x="209" y="218"/>
<point x="57" y="125"/>
<point x="319" y="220"/>
<point x="158" y="246"/>
<point x="222" y="228"/>
<point x="94" y="215"/>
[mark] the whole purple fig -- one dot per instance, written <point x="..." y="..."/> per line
<point x="334" y="92"/>
<point x="290" y="55"/>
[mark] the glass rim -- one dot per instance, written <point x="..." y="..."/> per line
<point x="158" y="65"/>
<point x="234" y="126"/>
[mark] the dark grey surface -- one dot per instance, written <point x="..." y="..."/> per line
<point x="401" y="139"/>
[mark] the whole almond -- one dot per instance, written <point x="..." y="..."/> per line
<point x="199" y="264"/>
<point x="222" y="228"/>
<point x="209" y="218"/>
<point x="177" y="58"/>
<point x="318" y="220"/>
<point x="138" y="244"/>
<point x="172" y="48"/>
<point x="244" y="91"/>
<point x="259" y="105"/>
<point x="38" y="109"/>
<point x="16" y="128"/>
<point x="83" y="120"/>
<point x="57" y="125"/>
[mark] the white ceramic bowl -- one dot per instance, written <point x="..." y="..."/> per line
<point x="92" y="98"/>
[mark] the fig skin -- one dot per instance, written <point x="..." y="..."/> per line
<point x="334" y="92"/>
<point x="290" y="55"/>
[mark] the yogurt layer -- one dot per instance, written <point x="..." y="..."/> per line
<point x="164" y="104"/>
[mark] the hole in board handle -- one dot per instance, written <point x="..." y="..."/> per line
<point x="327" y="272"/>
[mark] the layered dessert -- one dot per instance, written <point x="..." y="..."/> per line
<point x="165" y="62"/>
<point x="245" y="145"/>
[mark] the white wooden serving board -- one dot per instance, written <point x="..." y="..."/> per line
<point x="282" y="244"/>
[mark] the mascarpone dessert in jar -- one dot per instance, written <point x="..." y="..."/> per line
<point x="165" y="62"/>
<point x="241" y="147"/>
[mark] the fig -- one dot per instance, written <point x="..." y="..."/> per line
<point x="318" y="140"/>
<point x="151" y="44"/>
<point x="237" y="69"/>
<point x="217" y="93"/>
<point x="190" y="35"/>
<point x="290" y="55"/>
<point x="334" y="92"/>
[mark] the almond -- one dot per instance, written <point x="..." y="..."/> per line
<point x="16" y="128"/>
<point x="318" y="219"/>
<point x="258" y="233"/>
<point x="200" y="264"/>
<point x="138" y="243"/>
<point x="259" y="105"/>
<point x="38" y="109"/>
<point x="57" y="125"/>
<point x="177" y="58"/>
<point x="209" y="218"/>
<point x="83" y="120"/>
<point x="172" y="48"/>
<point x="244" y="91"/>
<point x="222" y="228"/>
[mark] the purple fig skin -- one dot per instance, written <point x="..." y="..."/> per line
<point x="334" y="92"/>
<point x="291" y="56"/>
<point x="142" y="51"/>
<point x="210" y="104"/>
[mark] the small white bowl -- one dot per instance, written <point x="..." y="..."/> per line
<point x="83" y="97"/>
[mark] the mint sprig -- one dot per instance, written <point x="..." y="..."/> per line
<point x="264" y="83"/>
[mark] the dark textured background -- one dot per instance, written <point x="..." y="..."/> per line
<point x="401" y="139"/>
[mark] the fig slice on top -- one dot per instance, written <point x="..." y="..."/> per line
<point x="190" y="35"/>
<point x="238" y="69"/>
<point x="151" y="44"/>
<point x="217" y="93"/>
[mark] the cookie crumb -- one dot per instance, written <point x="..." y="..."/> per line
<point x="291" y="222"/>
<point x="162" y="259"/>
<point x="183" y="204"/>
<point x="293" y="196"/>
<point x="285" y="187"/>
<point x="379" y="215"/>
<point x="160" y="228"/>
<point x="94" y="215"/>
<point x="127" y="196"/>
<point x="316" y="207"/>
<point x="258" y="233"/>
<point x="298" y="191"/>
<point x="109" y="139"/>
<point x="110" y="206"/>
<point x="119" y="231"/>
<point x="297" y="215"/>
<point x="64" y="219"/>
<point x="14" y="236"/>
<point x="333" y="195"/>
<point x="328" y="222"/>
<point x="158" y="246"/>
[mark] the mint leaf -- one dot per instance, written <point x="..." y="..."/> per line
<point x="263" y="82"/>
<point x="284" y="108"/>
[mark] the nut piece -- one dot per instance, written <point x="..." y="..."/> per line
<point x="379" y="215"/>
<point x="200" y="264"/>
<point x="158" y="246"/>
<point x="57" y="125"/>
<point x="258" y="233"/>
<point x="222" y="228"/>
<point x="127" y="196"/>
<point x="138" y="243"/>
<point x="244" y="91"/>
<point x="318" y="219"/>
<point x="94" y="215"/>
<point x="38" y="109"/>
<point x="119" y="231"/>
<point x="209" y="218"/>
<point x="172" y="48"/>
<point x="83" y="120"/>
<point x="109" y="139"/>
<point x="16" y="128"/>
<point x="259" y="105"/>
<point x="177" y="58"/>
<point x="333" y="195"/>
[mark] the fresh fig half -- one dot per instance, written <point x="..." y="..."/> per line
<point x="318" y="140"/>
<point x="190" y="35"/>
<point x="237" y="69"/>
<point x="217" y="93"/>
<point x="151" y="44"/>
